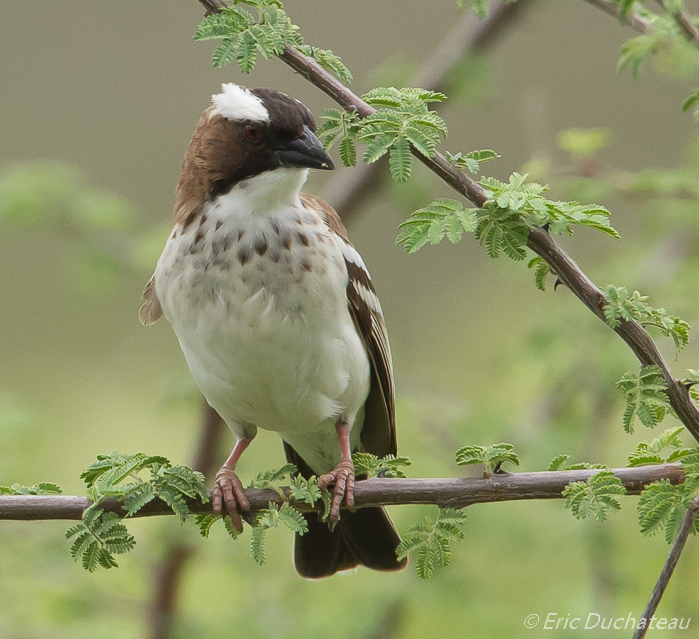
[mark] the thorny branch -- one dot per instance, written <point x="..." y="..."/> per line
<point x="445" y="493"/>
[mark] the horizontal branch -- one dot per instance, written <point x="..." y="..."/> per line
<point x="445" y="493"/>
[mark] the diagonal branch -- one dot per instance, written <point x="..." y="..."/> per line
<point x="669" y="567"/>
<point x="445" y="493"/>
<point x="539" y="241"/>
<point x="348" y="188"/>
<point x="683" y="21"/>
<point x="613" y="9"/>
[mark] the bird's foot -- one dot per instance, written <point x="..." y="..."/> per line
<point x="228" y="491"/>
<point x="343" y="478"/>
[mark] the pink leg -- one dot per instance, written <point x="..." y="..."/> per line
<point x="228" y="488"/>
<point x="342" y="476"/>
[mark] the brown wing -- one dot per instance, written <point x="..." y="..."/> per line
<point x="150" y="311"/>
<point x="379" y="430"/>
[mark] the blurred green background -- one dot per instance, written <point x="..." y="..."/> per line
<point x="98" y="103"/>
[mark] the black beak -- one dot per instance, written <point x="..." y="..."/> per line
<point x="305" y="152"/>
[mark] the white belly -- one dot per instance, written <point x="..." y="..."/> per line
<point x="267" y="334"/>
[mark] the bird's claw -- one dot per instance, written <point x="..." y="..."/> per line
<point x="343" y="478"/>
<point x="228" y="491"/>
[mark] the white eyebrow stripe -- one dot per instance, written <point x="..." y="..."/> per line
<point x="238" y="103"/>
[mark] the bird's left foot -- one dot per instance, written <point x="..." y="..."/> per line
<point x="343" y="478"/>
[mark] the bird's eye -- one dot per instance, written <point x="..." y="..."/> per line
<point x="252" y="133"/>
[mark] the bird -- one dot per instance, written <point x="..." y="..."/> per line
<point x="278" y="319"/>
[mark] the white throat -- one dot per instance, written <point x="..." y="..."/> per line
<point x="265" y="193"/>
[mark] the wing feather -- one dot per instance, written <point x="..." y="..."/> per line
<point x="379" y="430"/>
<point x="151" y="310"/>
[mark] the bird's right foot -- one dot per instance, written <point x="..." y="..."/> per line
<point x="228" y="491"/>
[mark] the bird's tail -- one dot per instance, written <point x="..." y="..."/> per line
<point x="365" y="537"/>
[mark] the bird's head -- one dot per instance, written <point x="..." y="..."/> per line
<point x="246" y="133"/>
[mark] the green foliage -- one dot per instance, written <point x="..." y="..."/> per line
<point x="373" y="466"/>
<point x="559" y="463"/>
<point x="636" y="50"/>
<point x="583" y="143"/>
<point x="541" y="270"/>
<point x="100" y="535"/>
<point x="597" y="496"/>
<point x="666" y="39"/>
<point x="471" y="161"/>
<point x="343" y="126"/>
<point x="301" y="490"/>
<point x="645" y="397"/>
<point x="480" y="7"/>
<point x="329" y="61"/>
<point x="646" y="453"/>
<point x="402" y="119"/>
<point x="42" y="488"/>
<point x="268" y="478"/>
<point x="492" y="457"/>
<point x="244" y="36"/>
<point x="305" y="490"/>
<point x="91" y="224"/>
<point x="503" y="223"/>
<point x="206" y="520"/>
<point x="690" y="102"/>
<point x="443" y="217"/>
<point x="431" y="541"/>
<point x="273" y="517"/>
<point x="117" y="475"/>
<point x="662" y="505"/>
<point x="526" y="199"/>
<point x="97" y="538"/>
<point x="622" y="306"/>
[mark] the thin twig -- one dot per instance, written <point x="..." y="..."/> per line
<point x="445" y="493"/>
<point x="669" y="567"/>
<point x="686" y="25"/>
<point x="613" y="9"/>
<point x="689" y="30"/>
